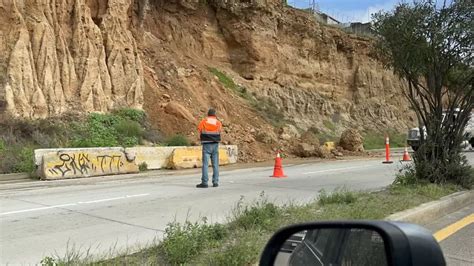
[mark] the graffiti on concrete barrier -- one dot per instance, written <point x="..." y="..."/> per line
<point x="79" y="163"/>
<point x="110" y="162"/>
<point x="232" y="152"/>
<point x="74" y="163"/>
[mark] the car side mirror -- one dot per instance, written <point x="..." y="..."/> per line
<point x="353" y="243"/>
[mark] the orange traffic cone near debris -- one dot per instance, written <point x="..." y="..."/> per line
<point x="278" y="169"/>
<point x="387" y="151"/>
<point x="406" y="156"/>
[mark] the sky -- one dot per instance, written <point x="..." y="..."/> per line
<point x="349" y="10"/>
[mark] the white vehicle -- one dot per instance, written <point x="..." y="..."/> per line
<point x="413" y="138"/>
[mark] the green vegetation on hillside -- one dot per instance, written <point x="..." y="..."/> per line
<point x="122" y="128"/>
<point x="18" y="138"/>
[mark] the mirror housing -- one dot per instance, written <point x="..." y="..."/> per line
<point x="405" y="244"/>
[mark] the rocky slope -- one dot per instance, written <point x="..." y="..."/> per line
<point x="61" y="56"/>
<point x="65" y="56"/>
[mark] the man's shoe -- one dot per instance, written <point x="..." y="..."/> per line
<point x="202" y="185"/>
<point x="215" y="185"/>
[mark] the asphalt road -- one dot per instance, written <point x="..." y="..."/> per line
<point x="458" y="248"/>
<point x="43" y="218"/>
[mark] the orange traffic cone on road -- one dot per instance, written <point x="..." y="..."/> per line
<point x="278" y="169"/>
<point x="387" y="151"/>
<point x="406" y="156"/>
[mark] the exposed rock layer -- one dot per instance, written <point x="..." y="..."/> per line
<point x="68" y="55"/>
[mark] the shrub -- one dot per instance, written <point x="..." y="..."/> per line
<point x="143" y="167"/>
<point x="128" y="128"/>
<point x="98" y="131"/>
<point x="131" y="114"/>
<point x="17" y="159"/>
<point x="177" y="140"/>
<point x="153" y="135"/>
<point x="456" y="170"/>
<point x="184" y="241"/>
<point x="405" y="177"/>
<point x="108" y="130"/>
<point x="129" y="133"/>
<point x="260" y="214"/>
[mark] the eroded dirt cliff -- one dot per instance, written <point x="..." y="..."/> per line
<point x="62" y="56"/>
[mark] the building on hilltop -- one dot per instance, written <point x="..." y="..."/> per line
<point x="326" y="18"/>
<point x="361" y="28"/>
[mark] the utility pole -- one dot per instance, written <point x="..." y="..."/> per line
<point x="313" y="6"/>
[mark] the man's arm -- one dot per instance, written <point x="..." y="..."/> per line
<point x="201" y="126"/>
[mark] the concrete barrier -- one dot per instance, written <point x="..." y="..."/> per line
<point x="87" y="162"/>
<point x="192" y="158"/>
<point x="154" y="157"/>
<point x="179" y="157"/>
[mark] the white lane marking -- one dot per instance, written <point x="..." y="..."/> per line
<point x="101" y="200"/>
<point x="337" y="169"/>
<point x="138" y="195"/>
<point x="73" y="204"/>
<point x="38" y="209"/>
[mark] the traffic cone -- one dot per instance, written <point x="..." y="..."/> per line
<point x="278" y="169"/>
<point x="387" y="151"/>
<point x="406" y="156"/>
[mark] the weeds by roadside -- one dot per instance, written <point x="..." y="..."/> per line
<point x="143" y="167"/>
<point x="339" y="196"/>
<point x="260" y="214"/>
<point x="240" y="241"/>
<point x="407" y="176"/>
<point x="184" y="242"/>
<point x="73" y="256"/>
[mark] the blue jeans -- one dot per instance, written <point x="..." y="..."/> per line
<point x="210" y="150"/>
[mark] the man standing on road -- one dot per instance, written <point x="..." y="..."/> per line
<point x="210" y="134"/>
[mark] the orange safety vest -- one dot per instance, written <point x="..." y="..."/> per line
<point x="210" y="130"/>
